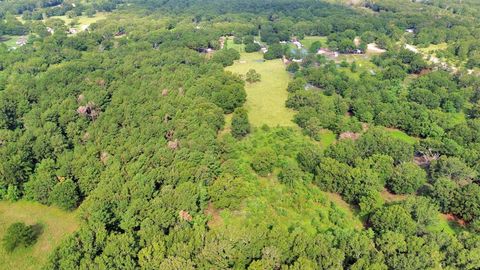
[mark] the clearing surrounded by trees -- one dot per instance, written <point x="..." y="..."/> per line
<point x="55" y="225"/>
<point x="266" y="98"/>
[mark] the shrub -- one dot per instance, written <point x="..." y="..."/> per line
<point x="315" y="47"/>
<point x="263" y="162"/>
<point x="274" y="51"/>
<point x="248" y="40"/>
<point x="17" y="235"/>
<point x="252" y="47"/>
<point x="290" y="173"/>
<point x="308" y="158"/>
<point x="252" y="76"/>
<point x="296" y="85"/>
<point x="293" y="67"/>
<point x="240" y="124"/>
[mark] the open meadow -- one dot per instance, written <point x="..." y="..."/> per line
<point x="55" y="225"/>
<point x="265" y="99"/>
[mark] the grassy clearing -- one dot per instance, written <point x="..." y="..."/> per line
<point x="346" y="208"/>
<point x="9" y="41"/>
<point x="309" y="40"/>
<point x="396" y="133"/>
<point x="82" y="20"/>
<point x="327" y="138"/>
<point x="444" y="224"/>
<point x="434" y="47"/>
<point x="265" y="99"/>
<point x="271" y="203"/>
<point x="304" y="206"/>
<point x="391" y="197"/>
<point x="362" y="61"/>
<point x="56" y="223"/>
<point x="230" y="45"/>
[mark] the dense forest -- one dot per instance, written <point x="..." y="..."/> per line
<point x="136" y="124"/>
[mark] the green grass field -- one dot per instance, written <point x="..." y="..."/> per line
<point x="445" y="225"/>
<point x="327" y="138"/>
<point x="9" y="41"/>
<point x="308" y="40"/>
<point x="230" y="45"/>
<point x="434" y="47"/>
<point x="56" y="225"/>
<point x="396" y="133"/>
<point x="82" y="20"/>
<point x="265" y="99"/>
<point x="363" y="64"/>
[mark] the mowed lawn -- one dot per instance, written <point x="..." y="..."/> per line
<point x="265" y="99"/>
<point x="56" y="225"/>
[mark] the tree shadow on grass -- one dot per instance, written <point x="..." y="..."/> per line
<point x="38" y="229"/>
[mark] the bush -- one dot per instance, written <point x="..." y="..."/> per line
<point x="17" y="235"/>
<point x="407" y="178"/>
<point x="240" y="124"/>
<point x="237" y="40"/>
<point x="309" y="157"/>
<point x="252" y="47"/>
<point x="252" y="76"/>
<point x="274" y="51"/>
<point x="315" y="47"/>
<point x="296" y="85"/>
<point x="293" y="67"/>
<point x="290" y="173"/>
<point x="263" y="162"/>
<point x="248" y="40"/>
